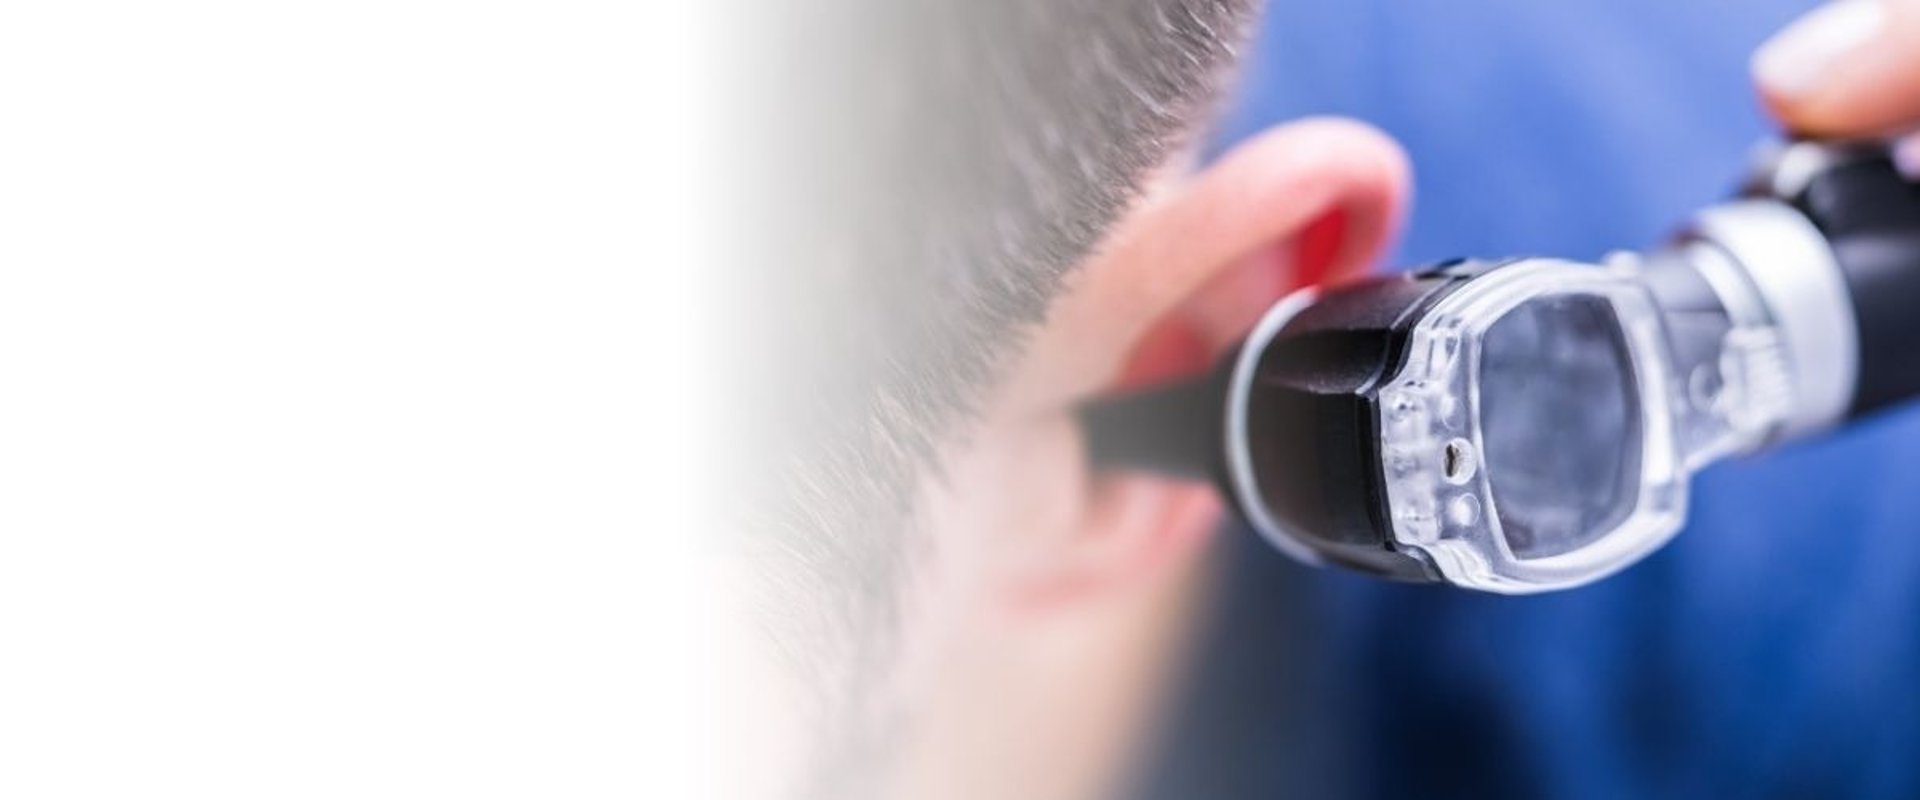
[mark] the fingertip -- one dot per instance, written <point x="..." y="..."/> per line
<point x="1848" y="68"/>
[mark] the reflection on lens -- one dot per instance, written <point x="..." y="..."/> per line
<point x="1560" y="424"/>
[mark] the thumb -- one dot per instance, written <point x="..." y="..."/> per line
<point x="1848" y="68"/>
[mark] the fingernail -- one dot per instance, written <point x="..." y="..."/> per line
<point x="1798" y="59"/>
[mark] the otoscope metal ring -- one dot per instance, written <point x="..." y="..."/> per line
<point x="1810" y="299"/>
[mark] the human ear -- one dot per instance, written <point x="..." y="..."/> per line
<point x="1176" y="285"/>
<point x="1307" y="202"/>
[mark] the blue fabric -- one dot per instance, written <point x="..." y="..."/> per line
<point x="1771" y="651"/>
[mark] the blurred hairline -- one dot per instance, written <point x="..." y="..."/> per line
<point x="925" y="175"/>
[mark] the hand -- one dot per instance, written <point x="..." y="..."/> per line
<point x="1848" y="68"/>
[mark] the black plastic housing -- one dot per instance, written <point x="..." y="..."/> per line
<point x="1870" y="214"/>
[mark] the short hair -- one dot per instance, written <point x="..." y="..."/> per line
<point x="936" y="168"/>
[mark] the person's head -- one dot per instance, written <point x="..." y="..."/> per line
<point x="975" y="219"/>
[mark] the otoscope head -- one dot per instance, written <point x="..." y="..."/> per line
<point x="1503" y="426"/>
<point x="1533" y="424"/>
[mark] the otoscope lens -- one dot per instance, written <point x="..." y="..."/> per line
<point x="1561" y="424"/>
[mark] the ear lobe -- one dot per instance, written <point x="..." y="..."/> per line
<point x="1136" y="527"/>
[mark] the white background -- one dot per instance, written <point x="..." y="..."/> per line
<point x="345" y="382"/>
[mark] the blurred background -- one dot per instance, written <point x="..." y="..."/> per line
<point x="1768" y="651"/>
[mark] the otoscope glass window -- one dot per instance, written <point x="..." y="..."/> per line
<point x="1560" y="421"/>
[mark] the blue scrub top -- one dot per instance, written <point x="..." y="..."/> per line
<point x="1770" y="651"/>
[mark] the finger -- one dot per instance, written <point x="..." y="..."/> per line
<point x="1849" y="68"/>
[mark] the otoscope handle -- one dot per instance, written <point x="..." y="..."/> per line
<point x="1870" y="215"/>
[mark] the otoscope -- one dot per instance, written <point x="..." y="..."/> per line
<point x="1531" y="424"/>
